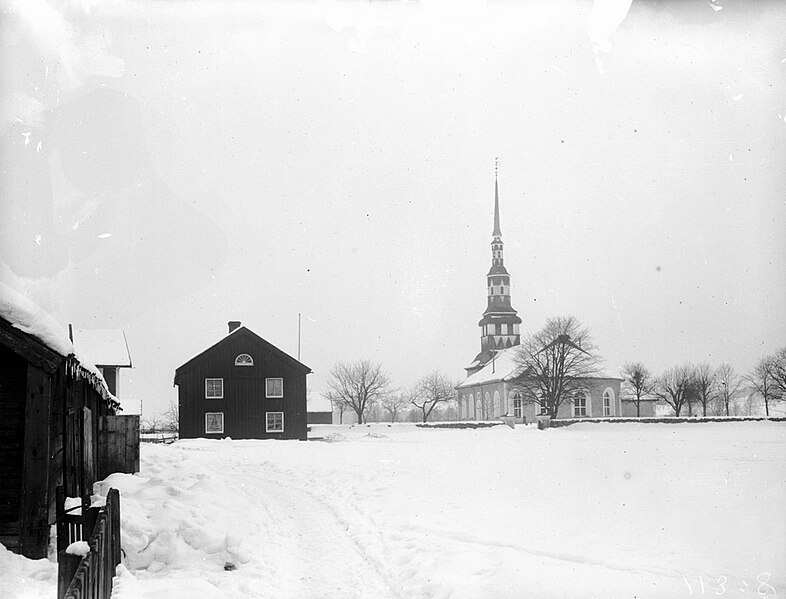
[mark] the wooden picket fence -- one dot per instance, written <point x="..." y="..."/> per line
<point x="91" y="576"/>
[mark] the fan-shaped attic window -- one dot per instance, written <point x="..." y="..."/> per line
<point x="244" y="360"/>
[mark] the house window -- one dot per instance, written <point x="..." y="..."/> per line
<point x="275" y="422"/>
<point x="244" y="360"/>
<point x="214" y="388"/>
<point x="274" y="387"/>
<point x="607" y="399"/>
<point x="580" y="405"/>
<point x="214" y="422"/>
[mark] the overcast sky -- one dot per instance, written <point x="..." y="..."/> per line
<point x="169" y="166"/>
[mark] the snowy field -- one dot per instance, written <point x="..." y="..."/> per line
<point x="591" y="510"/>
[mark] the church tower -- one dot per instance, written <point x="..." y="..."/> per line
<point x="499" y="327"/>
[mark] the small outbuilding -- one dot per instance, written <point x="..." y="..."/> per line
<point x="242" y="387"/>
<point x="108" y="350"/>
<point x="51" y="404"/>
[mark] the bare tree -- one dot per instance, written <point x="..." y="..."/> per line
<point x="763" y="381"/>
<point x="704" y="385"/>
<point x="430" y="391"/>
<point x="779" y="371"/>
<point x="336" y="405"/>
<point x="729" y="384"/>
<point x="170" y="418"/>
<point x="673" y="386"/>
<point x="150" y="424"/>
<point x="637" y="383"/>
<point x="554" y="362"/>
<point x="394" y="404"/>
<point x="486" y="404"/>
<point x="357" y="385"/>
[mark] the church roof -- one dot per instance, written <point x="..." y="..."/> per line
<point x="501" y="367"/>
<point x="505" y="367"/>
<point x="497" y="269"/>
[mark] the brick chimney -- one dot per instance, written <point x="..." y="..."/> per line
<point x="233" y="325"/>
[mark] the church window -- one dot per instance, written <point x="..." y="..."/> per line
<point x="517" y="404"/>
<point x="580" y="405"/>
<point x="498" y="328"/>
<point x="244" y="360"/>
<point x="608" y="398"/>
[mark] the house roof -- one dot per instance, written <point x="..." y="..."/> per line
<point x="319" y="404"/>
<point x="105" y="347"/>
<point x="241" y="330"/>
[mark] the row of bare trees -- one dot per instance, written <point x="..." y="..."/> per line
<point x="168" y="421"/>
<point x="554" y="364"/>
<point x="363" y="386"/>
<point x="690" y="386"/>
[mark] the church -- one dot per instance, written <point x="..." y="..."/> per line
<point x="490" y="389"/>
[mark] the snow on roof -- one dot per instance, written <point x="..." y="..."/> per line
<point x="504" y="367"/>
<point x="501" y="368"/>
<point x="27" y="316"/>
<point x="30" y="318"/>
<point x="105" y="347"/>
<point x="319" y="404"/>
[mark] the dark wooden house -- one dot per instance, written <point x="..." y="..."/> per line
<point x="50" y="407"/>
<point x="242" y="387"/>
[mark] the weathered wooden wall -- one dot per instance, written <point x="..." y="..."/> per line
<point x="34" y="509"/>
<point x="13" y="382"/>
<point x="118" y="445"/>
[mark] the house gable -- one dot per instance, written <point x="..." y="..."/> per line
<point x="244" y="333"/>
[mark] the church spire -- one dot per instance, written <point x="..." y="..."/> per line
<point x="499" y="327"/>
<point x="497" y="231"/>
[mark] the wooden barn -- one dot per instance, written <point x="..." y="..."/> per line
<point x="50" y="407"/>
<point x="242" y="387"/>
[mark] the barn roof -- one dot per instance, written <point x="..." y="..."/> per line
<point x="46" y="339"/>
<point x="240" y="331"/>
<point x="105" y="347"/>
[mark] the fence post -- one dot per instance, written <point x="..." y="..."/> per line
<point x="66" y="563"/>
<point x="113" y="499"/>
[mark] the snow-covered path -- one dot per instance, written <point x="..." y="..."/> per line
<point x="588" y="511"/>
<point x="592" y="510"/>
<point x="307" y="530"/>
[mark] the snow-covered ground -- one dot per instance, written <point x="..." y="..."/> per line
<point x="591" y="510"/>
